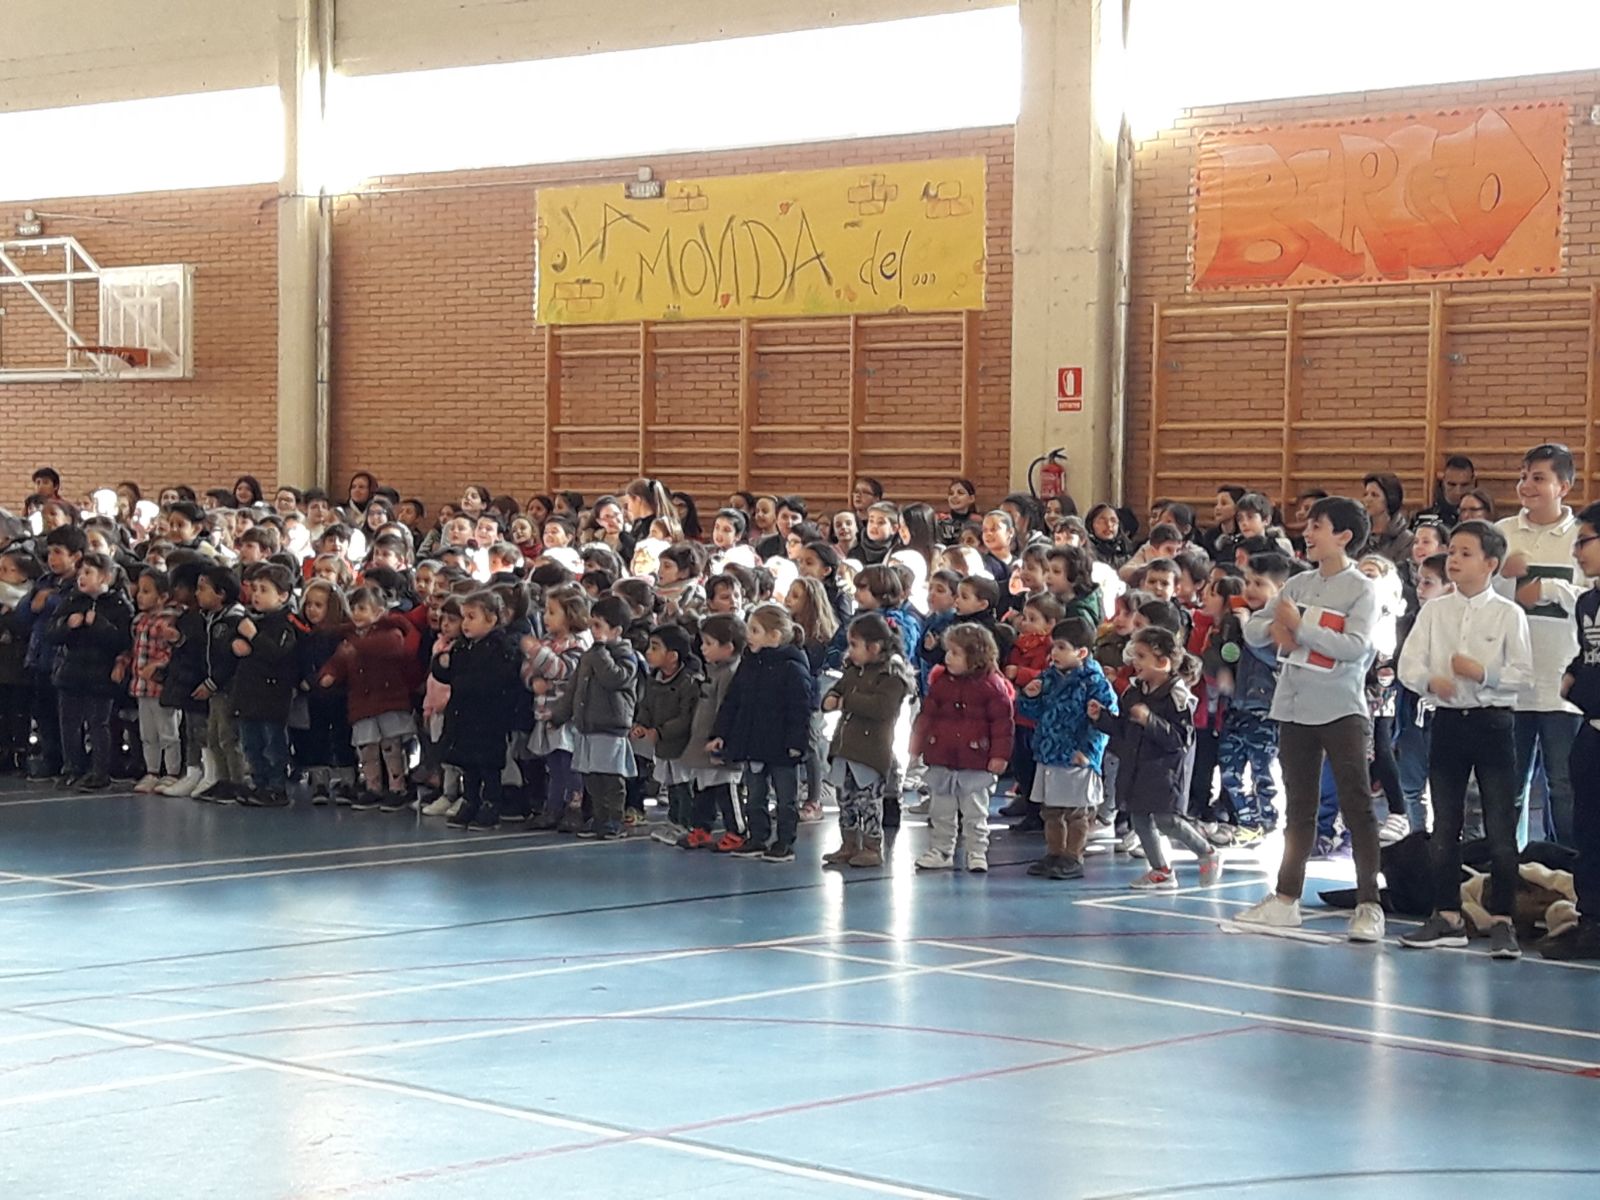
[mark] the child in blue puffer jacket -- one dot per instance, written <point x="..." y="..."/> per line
<point x="1067" y="746"/>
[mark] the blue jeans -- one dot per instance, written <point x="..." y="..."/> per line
<point x="783" y="781"/>
<point x="266" y="749"/>
<point x="1554" y="733"/>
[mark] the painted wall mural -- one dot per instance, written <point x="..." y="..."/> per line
<point x="1470" y="194"/>
<point x="902" y="237"/>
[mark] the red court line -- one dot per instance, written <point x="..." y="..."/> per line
<point x="443" y="1170"/>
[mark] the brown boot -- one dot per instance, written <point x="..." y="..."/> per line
<point x="870" y="854"/>
<point x="851" y="839"/>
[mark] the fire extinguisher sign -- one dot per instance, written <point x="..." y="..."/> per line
<point x="1069" y="389"/>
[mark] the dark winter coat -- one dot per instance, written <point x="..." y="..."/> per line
<point x="186" y="669"/>
<point x="41" y="655"/>
<point x="90" y="651"/>
<point x="870" y="700"/>
<point x="667" y="707"/>
<point x="1152" y="759"/>
<point x="374" y="668"/>
<point x="966" y="721"/>
<point x="604" y="692"/>
<point x="264" y="680"/>
<point x="484" y="677"/>
<point x="766" y="717"/>
<point x="221" y="665"/>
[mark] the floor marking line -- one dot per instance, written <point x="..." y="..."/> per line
<point x="652" y="1010"/>
<point x="443" y="985"/>
<point x="366" y="848"/>
<point x="826" y="1102"/>
<point x="237" y="1061"/>
<point x="1295" y="993"/>
<point x="324" y="867"/>
<point x="1488" y="1053"/>
<point x="59" y="881"/>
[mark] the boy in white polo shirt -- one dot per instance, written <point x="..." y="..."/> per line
<point x="1540" y="574"/>
<point x="1470" y="652"/>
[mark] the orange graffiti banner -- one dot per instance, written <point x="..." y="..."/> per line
<point x="1472" y="194"/>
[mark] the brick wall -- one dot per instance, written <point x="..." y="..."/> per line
<point x="438" y="374"/>
<point x="1530" y="385"/>
<point x="202" y="431"/>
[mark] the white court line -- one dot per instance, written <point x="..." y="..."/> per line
<point x="50" y="880"/>
<point x="621" y="1135"/>
<point x="1115" y="903"/>
<point x="71" y="798"/>
<point x="437" y="986"/>
<point x="1352" y="1031"/>
<point x="478" y="1035"/>
<point x="370" y="848"/>
<point x="1293" y="993"/>
<point x="191" y="880"/>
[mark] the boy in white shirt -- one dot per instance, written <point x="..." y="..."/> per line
<point x="1539" y="573"/>
<point x="1470" y="652"/>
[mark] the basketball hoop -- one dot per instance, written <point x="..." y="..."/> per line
<point x="131" y="356"/>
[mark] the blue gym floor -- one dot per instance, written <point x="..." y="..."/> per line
<point x="201" y="1001"/>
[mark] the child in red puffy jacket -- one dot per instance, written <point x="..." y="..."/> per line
<point x="964" y="734"/>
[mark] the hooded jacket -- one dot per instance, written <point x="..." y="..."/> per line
<point x="766" y="717"/>
<point x="90" y="651"/>
<point x="604" y="691"/>
<point x="374" y="668"/>
<point x="1152" y="759"/>
<point x="713" y="689"/>
<point x="966" y="721"/>
<point x="484" y="679"/>
<point x="668" y="706"/>
<point x="870" y="700"/>
<point x="1061" y="713"/>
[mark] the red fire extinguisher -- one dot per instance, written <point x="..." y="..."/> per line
<point x="1047" y="475"/>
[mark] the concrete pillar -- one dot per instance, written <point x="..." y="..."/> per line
<point x="300" y="85"/>
<point x="1063" y="238"/>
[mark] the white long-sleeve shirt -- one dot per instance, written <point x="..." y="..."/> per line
<point x="1551" y="627"/>
<point x="1486" y="627"/>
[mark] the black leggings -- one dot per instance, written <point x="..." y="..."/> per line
<point x="1385" y="771"/>
<point x="480" y="793"/>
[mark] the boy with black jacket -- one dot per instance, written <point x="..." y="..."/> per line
<point x="64" y="548"/>
<point x="1581" y="686"/>
<point x="92" y="627"/>
<point x="264" y="683"/>
<point x="483" y="669"/>
<point x="217" y="594"/>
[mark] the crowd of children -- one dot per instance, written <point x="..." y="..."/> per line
<point x="564" y="663"/>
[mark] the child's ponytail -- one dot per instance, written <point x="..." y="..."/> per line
<point x="1164" y="644"/>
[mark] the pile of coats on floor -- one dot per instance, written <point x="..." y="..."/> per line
<point x="1545" y="905"/>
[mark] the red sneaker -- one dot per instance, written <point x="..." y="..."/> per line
<point x="728" y="843"/>
<point x="697" y="839"/>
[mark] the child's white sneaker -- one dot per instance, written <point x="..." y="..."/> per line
<point x="192" y="778"/>
<point x="934" y="860"/>
<point x="667" y="833"/>
<point x="977" y="862"/>
<point x="147" y="784"/>
<point x="455" y="807"/>
<point x="439" y="806"/>
<point x="1275" y="912"/>
<point x="1211" y="870"/>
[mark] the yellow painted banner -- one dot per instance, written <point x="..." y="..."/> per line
<point x="904" y="237"/>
